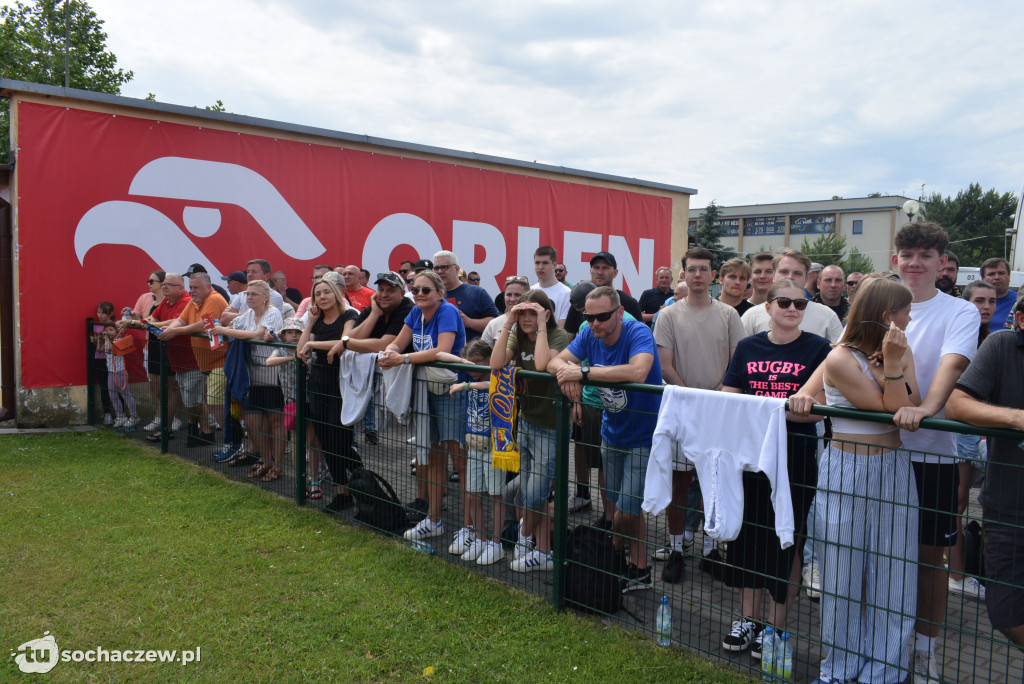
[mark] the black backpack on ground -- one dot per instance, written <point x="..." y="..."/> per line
<point x="594" y="569"/>
<point x="377" y="505"/>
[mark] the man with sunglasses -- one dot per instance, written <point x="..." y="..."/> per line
<point x="818" y="319"/>
<point x="473" y="303"/>
<point x="560" y="274"/>
<point x="852" y="281"/>
<point x="603" y="271"/>
<point x="618" y="351"/>
<point x="696" y="337"/>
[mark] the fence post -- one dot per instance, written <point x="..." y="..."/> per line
<point x="165" y="425"/>
<point x="563" y="433"/>
<point x="300" y="432"/>
<point x="90" y="376"/>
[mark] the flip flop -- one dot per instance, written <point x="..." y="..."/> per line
<point x="155" y="437"/>
<point x="314" y="491"/>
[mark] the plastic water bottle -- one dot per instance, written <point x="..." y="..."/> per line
<point x="784" y="659"/>
<point x="663" y="623"/>
<point x="422" y="546"/>
<point x="768" y="654"/>
<point x="126" y="314"/>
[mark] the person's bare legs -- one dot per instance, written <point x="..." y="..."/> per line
<point x="932" y="590"/>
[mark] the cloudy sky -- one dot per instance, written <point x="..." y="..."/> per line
<point x="746" y="102"/>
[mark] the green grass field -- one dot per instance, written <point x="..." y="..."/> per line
<point x="105" y="543"/>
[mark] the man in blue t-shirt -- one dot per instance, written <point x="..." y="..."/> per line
<point x="475" y="305"/>
<point x="618" y="351"/>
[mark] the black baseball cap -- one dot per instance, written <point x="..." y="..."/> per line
<point x="391" y="278"/>
<point x="607" y="256"/>
<point x="423" y="265"/>
<point x="194" y="268"/>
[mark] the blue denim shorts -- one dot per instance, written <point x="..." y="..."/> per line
<point x="624" y="473"/>
<point x="536" y="463"/>
<point x="447" y="417"/>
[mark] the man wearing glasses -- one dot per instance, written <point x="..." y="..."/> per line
<point x="560" y="274"/>
<point x="618" y="351"/>
<point x="852" y="281"/>
<point x="473" y="303"/>
<point x="818" y="318"/>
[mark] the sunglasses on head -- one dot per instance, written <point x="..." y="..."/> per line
<point x="786" y="302"/>
<point x="601" y="317"/>
<point x="425" y="289"/>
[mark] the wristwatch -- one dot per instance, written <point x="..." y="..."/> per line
<point x="585" y="372"/>
<point x="344" y="342"/>
<point x="406" y="360"/>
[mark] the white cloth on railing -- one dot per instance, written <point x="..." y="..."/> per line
<point x="356" y="380"/>
<point x="723" y="434"/>
<point x="407" y="400"/>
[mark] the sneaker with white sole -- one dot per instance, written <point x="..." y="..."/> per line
<point x="176" y="425"/>
<point x="968" y="586"/>
<point x="476" y="547"/>
<point x="533" y="561"/>
<point x="425" y="529"/>
<point x="812" y="580"/>
<point x="153" y="425"/>
<point x="463" y="538"/>
<point x="741" y="637"/>
<point x="119" y="422"/>
<point x="108" y="419"/>
<point x="576" y="504"/>
<point x="926" y="670"/>
<point x="525" y="544"/>
<point x="131" y="421"/>
<point x="758" y="645"/>
<point x="636" y="579"/>
<point x="492" y="553"/>
<point x="661" y="555"/>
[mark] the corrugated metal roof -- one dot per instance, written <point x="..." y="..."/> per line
<point x="7" y="87"/>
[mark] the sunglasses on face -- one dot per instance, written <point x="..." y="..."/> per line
<point x="152" y="280"/>
<point x="601" y="317"/>
<point x="474" y="280"/>
<point x="852" y="283"/>
<point x="403" y="271"/>
<point x="786" y="302"/>
<point x="425" y="289"/>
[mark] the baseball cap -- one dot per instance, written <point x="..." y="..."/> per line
<point x="815" y="266"/>
<point x="606" y="256"/>
<point x="578" y="296"/>
<point x="423" y="265"/>
<point x="194" y="268"/>
<point x="391" y="278"/>
<point x="237" y="276"/>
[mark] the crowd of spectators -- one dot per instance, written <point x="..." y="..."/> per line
<point x="877" y="515"/>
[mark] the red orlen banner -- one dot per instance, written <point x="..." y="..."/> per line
<point x="104" y="199"/>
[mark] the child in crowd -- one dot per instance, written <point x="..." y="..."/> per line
<point x="104" y="315"/>
<point x="482" y="480"/>
<point x="117" y="381"/>
<point x="285" y="359"/>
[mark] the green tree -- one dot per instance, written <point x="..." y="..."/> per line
<point x="36" y="41"/>
<point x="830" y="249"/>
<point x="709" y="233"/>
<point x="976" y="221"/>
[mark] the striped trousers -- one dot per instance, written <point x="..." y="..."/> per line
<point x="866" y="519"/>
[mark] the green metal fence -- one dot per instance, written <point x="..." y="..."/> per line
<point x="704" y="606"/>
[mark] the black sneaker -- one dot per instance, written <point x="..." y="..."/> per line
<point x="741" y="637"/>
<point x="371" y="438"/>
<point x="636" y="579"/>
<point x="674" y="568"/>
<point x="755" y="648"/>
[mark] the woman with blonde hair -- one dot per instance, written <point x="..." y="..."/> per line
<point x="330" y="318"/>
<point x="867" y="500"/>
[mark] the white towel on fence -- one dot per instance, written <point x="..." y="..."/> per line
<point x="723" y="434"/>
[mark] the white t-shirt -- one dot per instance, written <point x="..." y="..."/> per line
<point x="818" y="319"/>
<point x="559" y="296"/>
<point x="942" y="325"/>
<point x="493" y="329"/>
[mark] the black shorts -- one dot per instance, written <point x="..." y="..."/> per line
<point x="937" y="495"/>
<point x="588" y="435"/>
<point x="265" y="399"/>
<point x="1004" y="573"/>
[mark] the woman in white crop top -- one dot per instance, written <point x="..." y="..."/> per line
<point x="866" y="503"/>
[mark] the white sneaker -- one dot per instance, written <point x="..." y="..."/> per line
<point x="153" y="425"/>
<point x="176" y="425"/>
<point x="462" y="541"/>
<point x="426" y="529"/>
<point x="492" y="553"/>
<point x="812" y="580"/>
<point x="131" y="422"/>
<point x="476" y="548"/>
<point x="533" y="561"/>
<point x="524" y="545"/>
<point x="108" y="419"/>
<point x="119" y="422"/>
<point x="576" y="504"/>
<point x="926" y="670"/>
<point x="968" y="586"/>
